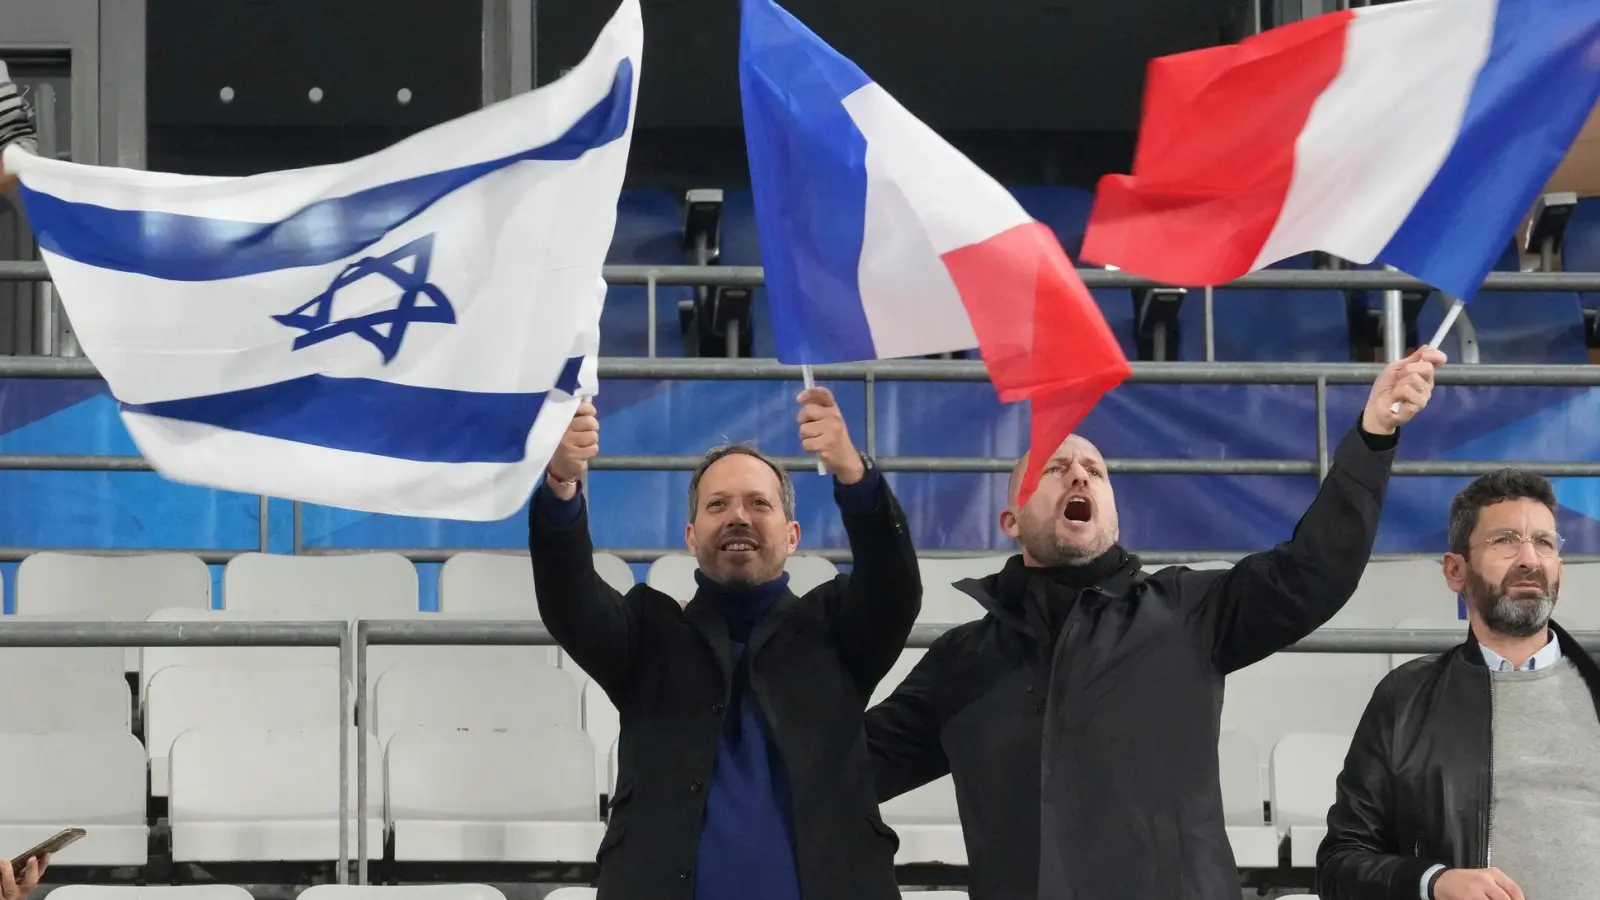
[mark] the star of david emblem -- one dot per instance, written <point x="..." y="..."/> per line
<point x="420" y="301"/>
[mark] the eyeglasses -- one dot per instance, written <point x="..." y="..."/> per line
<point x="1507" y="544"/>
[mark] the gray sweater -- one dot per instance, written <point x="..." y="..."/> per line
<point x="1545" y="823"/>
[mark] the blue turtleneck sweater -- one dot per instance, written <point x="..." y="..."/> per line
<point x="747" y="840"/>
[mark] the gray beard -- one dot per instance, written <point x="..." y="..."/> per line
<point x="1517" y="617"/>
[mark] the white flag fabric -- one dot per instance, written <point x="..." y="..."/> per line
<point x="405" y="333"/>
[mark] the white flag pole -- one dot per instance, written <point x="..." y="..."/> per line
<point x="1450" y="317"/>
<point x="811" y="382"/>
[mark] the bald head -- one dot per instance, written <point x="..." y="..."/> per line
<point x="1075" y="442"/>
<point x="1072" y="516"/>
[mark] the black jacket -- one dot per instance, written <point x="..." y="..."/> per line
<point x="814" y="662"/>
<point x="1102" y="748"/>
<point x="1415" y="790"/>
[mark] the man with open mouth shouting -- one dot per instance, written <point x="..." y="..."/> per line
<point x="742" y="766"/>
<point x="1080" y="716"/>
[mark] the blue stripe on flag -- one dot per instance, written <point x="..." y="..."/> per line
<point x="380" y="418"/>
<point x="1537" y="87"/>
<point x="178" y="247"/>
<point x="808" y="176"/>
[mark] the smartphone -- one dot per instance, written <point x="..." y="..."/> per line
<point x="54" y="844"/>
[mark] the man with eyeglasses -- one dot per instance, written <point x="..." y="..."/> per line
<point x="1475" y="774"/>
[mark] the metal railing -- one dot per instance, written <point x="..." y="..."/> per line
<point x="355" y="637"/>
<point x="1317" y="376"/>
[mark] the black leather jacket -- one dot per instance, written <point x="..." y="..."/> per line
<point x="1417" y="783"/>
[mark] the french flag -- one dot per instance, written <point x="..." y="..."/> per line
<point x="880" y="240"/>
<point x="1414" y="134"/>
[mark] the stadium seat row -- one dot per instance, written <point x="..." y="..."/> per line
<point x="529" y="794"/>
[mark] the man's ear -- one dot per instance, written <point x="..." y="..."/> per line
<point x="1008" y="522"/>
<point x="1454" y="566"/>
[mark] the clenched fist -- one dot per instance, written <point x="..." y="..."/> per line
<point x="823" y="432"/>
<point x="1475" y="884"/>
<point x="580" y="444"/>
<point x="1401" y="391"/>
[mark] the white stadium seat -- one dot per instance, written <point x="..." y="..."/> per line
<point x="902" y="667"/>
<point x="401" y="892"/>
<point x="942" y="603"/>
<point x="124" y="588"/>
<point x="158" y="658"/>
<point x="355" y="586"/>
<point x="150" y="892"/>
<point x="474" y="796"/>
<point x="251" y="794"/>
<point x="1578" y="604"/>
<point x="1397" y="589"/>
<point x="90" y="780"/>
<point x="481" y="697"/>
<point x="1457" y="627"/>
<point x="1304" y="770"/>
<point x="928" y="823"/>
<point x="55" y="698"/>
<point x="185" y="697"/>
<point x="572" y="893"/>
<point x="1254" y="842"/>
<point x="480" y="582"/>
<point x="673" y="574"/>
<point x="603" y="724"/>
<point x="1287" y="692"/>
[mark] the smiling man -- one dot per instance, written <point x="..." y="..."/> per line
<point x="1080" y="716"/>
<point x="742" y="767"/>
<point x="1475" y="774"/>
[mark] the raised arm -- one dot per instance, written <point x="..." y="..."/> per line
<point x="1270" y="600"/>
<point x="903" y="731"/>
<point x="592" y="622"/>
<point x="874" y="607"/>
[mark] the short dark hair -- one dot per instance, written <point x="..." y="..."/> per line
<point x="785" y="486"/>
<point x="1501" y="484"/>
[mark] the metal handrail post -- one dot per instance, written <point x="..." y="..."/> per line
<point x="361" y="712"/>
<point x="346" y="651"/>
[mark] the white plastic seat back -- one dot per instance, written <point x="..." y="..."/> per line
<point x="158" y="658"/>
<point x="1311" y="692"/>
<point x="479" y="698"/>
<point x="357" y="586"/>
<point x="1239" y="765"/>
<point x="151" y="892"/>
<point x="602" y="722"/>
<point x="1394" y="590"/>
<point x="381" y="658"/>
<point x="86" y="778"/>
<point x="402" y="892"/>
<point x="1305" y="768"/>
<point x="897" y="673"/>
<point x="673" y="574"/>
<point x="942" y="602"/>
<point x="1578" y="604"/>
<point x="265" y="794"/>
<point x="481" y="582"/>
<point x="582" y="893"/>
<point x="20" y="660"/>
<point x="932" y="804"/>
<point x="1456" y="627"/>
<point x="55" y="698"/>
<point x="93" y="780"/>
<point x="185" y="697"/>
<point x="445" y="774"/>
<point x="122" y="588"/>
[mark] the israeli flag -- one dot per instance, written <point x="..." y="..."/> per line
<point x="407" y="333"/>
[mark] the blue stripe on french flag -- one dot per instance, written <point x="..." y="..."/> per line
<point x="1415" y="134"/>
